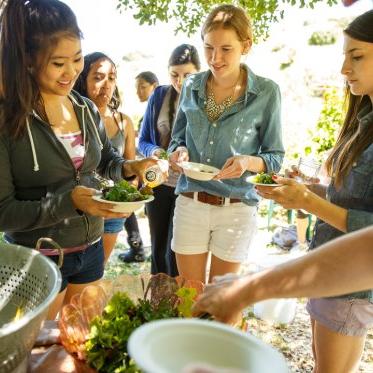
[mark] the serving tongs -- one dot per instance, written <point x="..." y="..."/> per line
<point x="206" y="316"/>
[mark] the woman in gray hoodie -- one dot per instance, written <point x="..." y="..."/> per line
<point x="52" y="143"/>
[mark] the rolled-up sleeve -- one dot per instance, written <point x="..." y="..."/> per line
<point x="272" y="149"/>
<point x="146" y="143"/>
<point x="179" y="129"/>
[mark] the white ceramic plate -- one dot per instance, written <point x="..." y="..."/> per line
<point x="199" y="171"/>
<point x="125" y="207"/>
<point x="168" y="346"/>
<point x="250" y="179"/>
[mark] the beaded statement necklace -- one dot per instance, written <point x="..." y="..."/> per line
<point x="215" y="110"/>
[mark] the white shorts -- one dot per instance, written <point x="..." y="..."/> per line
<point x="226" y="231"/>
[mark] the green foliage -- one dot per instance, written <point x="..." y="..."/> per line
<point x="189" y="15"/>
<point x="322" y="38"/>
<point x="285" y="65"/>
<point x="324" y="135"/>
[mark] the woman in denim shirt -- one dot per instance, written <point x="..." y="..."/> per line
<point x="228" y="118"/>
<point x="340" y="324"/>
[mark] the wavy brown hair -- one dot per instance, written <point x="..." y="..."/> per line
<point x="351" y="142"/>
<point x="29" y="29"/>
<point x="228" y="16"/>
<point x="353" y="139"/>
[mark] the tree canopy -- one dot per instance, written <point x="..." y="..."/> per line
<point x="189" y="14"/>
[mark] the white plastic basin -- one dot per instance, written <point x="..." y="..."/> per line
<point x="168" y="346"/>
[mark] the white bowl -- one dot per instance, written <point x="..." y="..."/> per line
<point x="124" y="207"/>
<point x="199" y="171"/>
<point x="168" y="346"/>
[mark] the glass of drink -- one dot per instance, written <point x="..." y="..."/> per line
<point x="308" y="169"/>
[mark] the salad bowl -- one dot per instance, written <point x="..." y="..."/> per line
<point x="125" y="207"/>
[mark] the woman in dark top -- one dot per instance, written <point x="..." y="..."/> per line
<point x="154" y="138"/>
<point x="339" y="325"/>
<point x="52" y="141"/>
<point x="146" y="82"/>
<point x="98" y="82"/>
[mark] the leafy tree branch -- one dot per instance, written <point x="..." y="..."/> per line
<point x="189" y="14"/>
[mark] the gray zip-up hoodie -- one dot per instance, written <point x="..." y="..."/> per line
<point x="38" y="175"/>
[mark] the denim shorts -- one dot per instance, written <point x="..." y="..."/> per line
<point x="113" y="225"/>
<point x="82" y="267"/>
<point x="351" y="317"/>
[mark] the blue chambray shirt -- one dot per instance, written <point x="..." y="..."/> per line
<point x="355" y="195"/>
<point x="251" y="126"/>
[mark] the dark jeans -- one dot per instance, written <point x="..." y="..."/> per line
<point x="160" y="215"/>
<point x="132" y="228"/>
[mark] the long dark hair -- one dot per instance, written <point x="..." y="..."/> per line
<point x="81" y="83"/>
<point x="352" y="139"/>
<point x="28" y="30"/>
<point x="181" y="55"/>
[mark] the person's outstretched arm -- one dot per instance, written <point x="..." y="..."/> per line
<point x="341" y="266"/>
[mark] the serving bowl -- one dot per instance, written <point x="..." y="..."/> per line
<point x="175" y="345"/>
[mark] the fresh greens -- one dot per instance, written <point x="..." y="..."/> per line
<point x="187" y="297"/>
<point x="263" y="178"/>
<point x="125" y="192"/>
<point x="163" y="155"/>
<point x="106" y="347"/>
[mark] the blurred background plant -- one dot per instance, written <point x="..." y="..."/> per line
<point x="322" y="38"/>
<point x="323" y="135"/>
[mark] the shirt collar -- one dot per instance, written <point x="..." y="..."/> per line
<point x="252" y="84"/>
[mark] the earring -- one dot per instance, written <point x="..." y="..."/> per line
<point x="30" y="69"/>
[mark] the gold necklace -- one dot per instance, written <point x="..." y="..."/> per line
<point x="215" y="110"/>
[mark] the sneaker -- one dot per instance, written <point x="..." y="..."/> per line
<point x="299" y="247"/>
<point x="132" y="255"/>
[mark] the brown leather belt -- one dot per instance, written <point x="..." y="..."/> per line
<point x="68" y="250"/>
<point x="210" y="199"/>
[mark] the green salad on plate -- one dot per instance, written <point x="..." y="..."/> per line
<point x="263" y="178"/>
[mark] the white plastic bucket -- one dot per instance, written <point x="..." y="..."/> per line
<point x="276" y="310"/>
